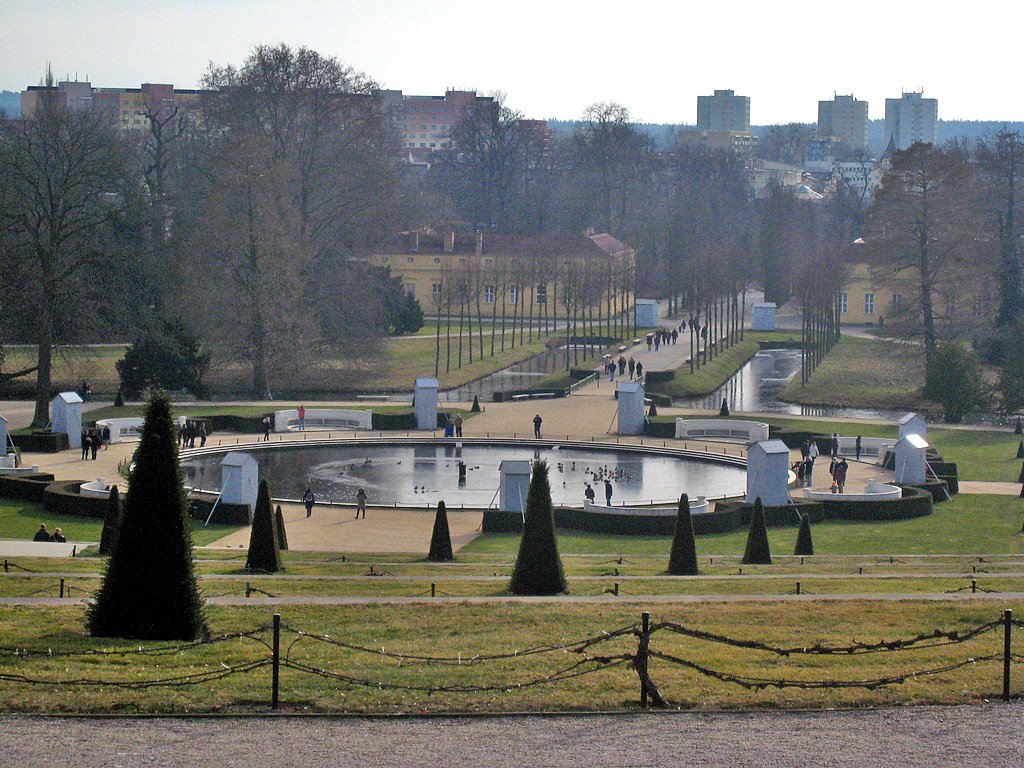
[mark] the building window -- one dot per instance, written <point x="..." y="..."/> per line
<point x="896" y="299"/>
<point x="435" y="290"/>
<point x="513" y="294"/>
<point x="844" y="303"/>
<point x="542" y="294"/>
<point x="869" y="303"/>
<point x="489" y="294"/>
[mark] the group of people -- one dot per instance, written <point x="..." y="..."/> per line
<point x="662" y="336"/>
<point x="92" y="439"/>
<point x="589" y="495"/>
<point x="636" y="369"/>
<point x="838" y="466"/>
<point x="189" y="431"/>
<point x="44" y="535"/>
<point x="452" y="426"/>
<point x="309" y="499"/>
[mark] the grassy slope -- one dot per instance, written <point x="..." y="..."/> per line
<point x="863" y="373"/>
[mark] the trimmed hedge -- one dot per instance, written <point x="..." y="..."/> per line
<point x="935" y="488"/>
<point x="62" y="498"/>
<point x="658" y="377"/>
<point x="25" y="487"/>
<point x="664" y="429"/>
<point x="727" y="516"/>
<point x="226" y="514"/>
<point x="396" y="421"/>
<point x="229" y="422"/>
<point x="41" y="442"/>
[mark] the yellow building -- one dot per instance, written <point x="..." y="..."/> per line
<point x="496" y="275"/>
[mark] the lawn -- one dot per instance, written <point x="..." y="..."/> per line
<point x="966" y="525"/>
<point x="354" y="666"/>
<point x="863" y="373"/>
<point x="21" y="520"/>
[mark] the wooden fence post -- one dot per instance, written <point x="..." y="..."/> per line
<point x="276" y="666"/>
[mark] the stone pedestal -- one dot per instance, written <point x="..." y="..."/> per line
<point x="764" y="316"/>
<point x="768" y="473"/>
<point x="425" y="403"/>
<point x="514" y="486"/>
<point x="66" y="417"/>
<point x="646" y="313"/>
<point x="240" y="480"/>
<point x="631" y="408"/>
<point x="911" y="462"/>
<point x="912" y="424"/>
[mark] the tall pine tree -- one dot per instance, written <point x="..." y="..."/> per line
<point x="538" y="569"/>
<point x="149" y="589"/>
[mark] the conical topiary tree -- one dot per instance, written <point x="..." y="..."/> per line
<point x="804" y="543"/>
<point x="111" y="523"/>
<point x="1020" y="477"/>
<point x="724" y="410"/>
<point x="1020" y="450"/>
<point x="1018" y="428"/>
<point x="758" y="552"/>
<point x="538" y="569"/>
<point x="683" y="559"/>
<point x="441" y="538"/>
<point x="282" y="534"/>
<point x="476" y="404"/>
<point x="653" y="410"/>
<point x="264" y="544"/>
<point x="149" y="589"/>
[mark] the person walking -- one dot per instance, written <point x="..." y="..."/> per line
<point x="589" y="494"/>
<point x="266" y="428"/>
<point x="800" y="470"/>
<point x="675" y="336"/>
<point x="812" y="454"/>
<point x="622" y="365"/>
<point x="834" y="445"/>
<point x="657" y="341"/>
<point x="857" y="448"/>
<point x="537" y="421"/>
<point x="361" y="503"/>
<point x="202" y="434"/>
<point x="608" y="493"/>
<point x="632" y="368"/>
<point x="639" y="370"/>
<point x="85" y="444"/>
<point x="94" y="444"/>
<point x="458" y="424"/>
<point x="840" y="474"/>
<point x="302" y="417"/>
<point x="309" y="499"/>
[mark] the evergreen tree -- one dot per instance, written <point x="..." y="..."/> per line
<point x="476" y="404"/>
<point x="282" y="534"/>
<point x="758" y="552"/>
<point x="683" y="559"/>
<point x="724" y="410"/>
<point x="653" y="410"/>
<point x="111" y="523"/>
<point x="441" y="538"/>
<point x="1020" y="450"/>
<point x="149" y="589"/>
<point x="538" y="569"/>
<point x="804" y="543"/>
<point x="264" y="544"/>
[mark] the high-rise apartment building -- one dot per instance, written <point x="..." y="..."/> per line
<point x="128" y="107"/>
<point x="844" y="118"/>
<point x="911" y="118"/>
<point x="723" y="111"/>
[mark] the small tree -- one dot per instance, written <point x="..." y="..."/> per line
<point x="282" y="535"/>
<point x="724" y="410"/>
<point x="111" y="523"/>
<point x="683" y="559"/>
<point x="476" y="404"/>
<point x="264" y="544"/>
<point x="538" y="569"/>
<point x="149" y="589"/>
<point x="441" y="538"/>
<point x="653" y="410"/>
<point x="955" y="381"/>
<point x="758" y="552"/>
<point x="804" y="544"/>
<point x="169" y="357"/>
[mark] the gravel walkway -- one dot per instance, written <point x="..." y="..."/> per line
<point x="910" y="737"/>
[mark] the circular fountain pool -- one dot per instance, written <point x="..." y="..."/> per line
<point x="422" y="472"/>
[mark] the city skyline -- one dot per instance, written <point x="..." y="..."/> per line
<point x="656" y="62"/>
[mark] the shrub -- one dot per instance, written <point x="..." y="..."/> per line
<point x="149" y="588"/>
<point x="119" y="399"/>
<point x="264" y="544"/>
<point x="169" y="357"/>
<point x="683" y="559"/>
<point x="804" y="544"/>
<point x="758" y="552"/>
<point x="441" y="538"/>
<point x="111" y="523"/>
<point x="282" y="535"/>
<point x="538" y="569"/>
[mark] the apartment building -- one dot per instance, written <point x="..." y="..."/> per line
<point x="127" y="107"/>
<point x="911" y="119"/>
<point x="723" y="111"/>
<point x="846" y="119"/>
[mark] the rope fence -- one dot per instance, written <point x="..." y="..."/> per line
<point x="584" y="656"/>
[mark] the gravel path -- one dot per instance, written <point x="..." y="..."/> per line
<point x="910" y="737"/>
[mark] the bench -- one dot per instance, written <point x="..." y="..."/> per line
<point x="323" y="418"/>
<point x="373" y="397"/>
<point x="533" y="396"/>
<point x="730" y="429"/>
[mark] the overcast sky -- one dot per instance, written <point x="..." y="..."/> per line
<point x="552" y="58"/>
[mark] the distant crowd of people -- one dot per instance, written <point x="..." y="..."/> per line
<point x="635" y="368"/>
<point x="838" y="466"/>
<point x="189" y="432"/>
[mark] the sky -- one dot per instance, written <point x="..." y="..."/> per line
<point x="552" y="59"/>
